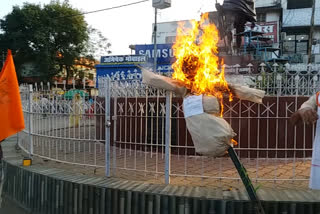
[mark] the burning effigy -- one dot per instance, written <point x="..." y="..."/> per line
<point x="199" y="78"/>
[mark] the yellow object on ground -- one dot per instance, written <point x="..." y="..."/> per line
<point x="26" y="161"/>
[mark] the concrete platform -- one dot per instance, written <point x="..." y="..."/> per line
<point x="43" y="188"/>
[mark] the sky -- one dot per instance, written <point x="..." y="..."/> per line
<point x="126" y="25"/>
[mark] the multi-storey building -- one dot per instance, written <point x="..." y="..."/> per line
<point x="296" y="21"/>
<point x="286" y="22"/>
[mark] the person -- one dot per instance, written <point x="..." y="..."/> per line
<point x="309" y="113"/>
<point x="76" y="114"/>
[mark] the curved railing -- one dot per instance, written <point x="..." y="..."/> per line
<point x="63" y="130"/>
<point x="130" y="134"/>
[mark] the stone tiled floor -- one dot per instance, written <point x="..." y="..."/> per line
<point x="185" y="170"/>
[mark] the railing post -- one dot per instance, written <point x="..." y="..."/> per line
<point x="114" y="119"/>
<point x="107" y="126"/>
<point x="297" y="79"/>
<point x="18" y="143"/>
<point x="84" y="82"/>
<point x="168" y="137"/>
<point x="264" y="83"/>
<point x="236" y="66"/>
<point x="275" y="67"/>
<point x="260" y="79"/>
<point x="30" y="122"/>
<point x="250" y="68"/>
<point x="279" y="84"/>
<point x="314" y="86"/>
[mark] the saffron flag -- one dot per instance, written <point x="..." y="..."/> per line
<point x="11" y="115"/>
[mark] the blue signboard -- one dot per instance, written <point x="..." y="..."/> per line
<point x="126" y="72"/>
<point x="164" y="53"/>
<point x="125" y="67"/>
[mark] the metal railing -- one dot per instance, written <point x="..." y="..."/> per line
<point x="63" y="129"/>
<point x="275" y="79"/>
<point x="140" y="133"/>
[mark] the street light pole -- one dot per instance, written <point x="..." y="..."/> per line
<point x="311" y="32"/>
<point x="157" y="4"/>
<point x="155" y="41"/>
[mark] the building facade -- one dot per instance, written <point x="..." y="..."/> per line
<point x="167" y="31"/>
<point x="287" y="22"/>
<point x="294" y="18"/>
<point x="296" y="21"/>
<point x="269" y="13"/>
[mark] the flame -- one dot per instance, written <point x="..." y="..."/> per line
<point x="234" y="142"/>
<point x="197" y="64"/>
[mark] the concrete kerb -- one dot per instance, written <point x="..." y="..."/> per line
<point x="42" y="190"/>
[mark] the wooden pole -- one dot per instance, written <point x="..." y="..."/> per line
<point x="311" y="31"/>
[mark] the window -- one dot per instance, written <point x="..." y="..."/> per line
<point x="302" y="47"/>
<point x="289" y="47"/>
<point x="261" y="17"/>
<point x="295" y="44"/>
<point x="302" y="37"/>
<point x="296" y="4"/>
<point x="170" y="39"/>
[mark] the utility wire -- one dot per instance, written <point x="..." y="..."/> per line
<point x="109" y="8"/>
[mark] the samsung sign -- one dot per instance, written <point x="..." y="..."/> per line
<point x="164" y="53"/>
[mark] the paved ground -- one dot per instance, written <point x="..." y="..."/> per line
<point x="9" y="207"/>
<point x="185" y="170"/>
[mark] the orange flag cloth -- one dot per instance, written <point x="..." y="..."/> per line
<point x="11" y="115"/>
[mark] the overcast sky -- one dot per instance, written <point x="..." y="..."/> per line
<point x="126" y="25"/>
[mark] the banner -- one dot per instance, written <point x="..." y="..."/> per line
<point x="123" y="59"/>
<point x="269" y="29"/>
<point x="11" y="115"/>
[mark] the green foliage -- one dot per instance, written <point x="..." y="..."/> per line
<point x="267" y="80"/>
<point x="98" y="45"/>
<point x="257" y="188"/>
<point x="51" y="37"/>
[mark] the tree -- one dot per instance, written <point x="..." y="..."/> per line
<point x="52" y="37"/>
<point x="98" y="45"/>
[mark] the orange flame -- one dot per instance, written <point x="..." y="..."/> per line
<point x="197" y="64"/>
